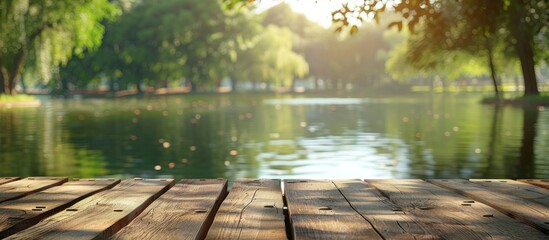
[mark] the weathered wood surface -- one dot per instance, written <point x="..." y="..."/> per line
<point x="7" y="179"/>
<point x="101" y="215"/>
<point x="24" y="212"/>
<point x="517" y="189"/>
<point x="319" y="211"/>
<point x="530" y="212"/>
<point x="184" y="212"/>
<point x="386" y="217"/>
<point x="544" y="183"/>
<point x="252" y="210"/>
<point x="452" y="215"/>
<point x="20" y="188"/>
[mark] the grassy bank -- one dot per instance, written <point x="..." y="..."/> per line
<point x="541" y="100"/>
<point x="20" y="100"/>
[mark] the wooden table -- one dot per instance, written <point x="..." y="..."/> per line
<point x="55" y="208"/>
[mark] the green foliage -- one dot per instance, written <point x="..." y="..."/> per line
<point x="271" y="59"/>
<point x="160" y="42"/>
<point x="198" y="43"/>
<point x="17" y="98"/>
<point x="466" y="25"/>
<point x="50" y="32"/>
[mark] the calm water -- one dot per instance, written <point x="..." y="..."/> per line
<point x="419" y="136"/>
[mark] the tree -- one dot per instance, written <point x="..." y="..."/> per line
<point x="271" y="59"/>
<point x="524" y="19"/>
<point x="161" y="42"/>
<point x="466" y="26"/>
<point x="53" y="29"/>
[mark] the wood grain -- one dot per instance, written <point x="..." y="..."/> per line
<point x="184" y="212"/>
<point x="252" y="210"/>
<point x="20" y="188"/>
<point x="529" y="212"/>
<point x="450" y="214"/>
<point x="7" y="179"/>
<point x="517" y="189"/>
<point x="24" y="212"/>
<point x="384" y="215"/>
<point x="318" y="210"/>
<point x="101" y="215"/>
<point x="544" y="183"/>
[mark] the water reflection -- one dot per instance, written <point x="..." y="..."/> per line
<point x="276" y="136"/>
<point x="529" y="131"/>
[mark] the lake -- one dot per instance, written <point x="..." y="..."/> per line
<point x="276" y="136"/>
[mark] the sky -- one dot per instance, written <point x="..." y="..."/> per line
<point x="316" y="10"/>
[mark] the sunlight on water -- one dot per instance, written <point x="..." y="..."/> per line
<point x="318" y="101"/>
<point x="421" y="136"/>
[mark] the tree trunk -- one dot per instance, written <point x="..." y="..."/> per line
<point x="15" y="71"/>
<point x="523" y="46"/>
<point x="192" y="85"/>
<point x="4" y="76"/>
<point x="64" y="86"/>
<point x="526" y="57"/>
<point x="234" y="85"/>
<point x="138" y="87"/>
<point x="3" y="81"/>
<point x="23" y="85"/>
<point x="111" y="84"/>
<point x="493" y="71"/>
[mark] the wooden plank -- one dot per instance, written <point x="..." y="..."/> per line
<point x="7" y="179"/>
<point x="517" y="189"/>
<point x="317" y="210"/>
<point x="184" y="212"/>
<point x="252" y="210"/>
<point x="450" y="214"/>
<point x="17" y="189"/>
<point x="544" y="183"/>
<point x="385" y="216"/>
<point x="529" y="212"/>
<point x="100" y="215"/>
<point x="24" y="212"/>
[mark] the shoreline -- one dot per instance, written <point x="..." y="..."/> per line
<point x="530" y="101"/>
<point x="20" y="104"/>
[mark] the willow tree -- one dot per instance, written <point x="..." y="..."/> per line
<point x="53" y="30"/>
<point x="270" y="59"/>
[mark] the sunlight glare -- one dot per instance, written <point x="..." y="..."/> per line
<point x="319" y="11"/>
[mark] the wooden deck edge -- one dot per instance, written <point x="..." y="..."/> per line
<point x="4" y="180"/>
<point x="61" y="181"/>
<point x="542" y="183"/>
<point x="33" y="221"/>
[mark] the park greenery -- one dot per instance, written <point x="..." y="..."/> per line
<point x="466" y="26"/>
<point x="39" y="35"/>
<point x="141" y="46"/>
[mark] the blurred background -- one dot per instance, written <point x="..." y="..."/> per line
<point x="274" y="89"/>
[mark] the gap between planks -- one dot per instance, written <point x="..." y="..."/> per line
<point x="22" y="213"/>
<point x="102" y="214"/>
